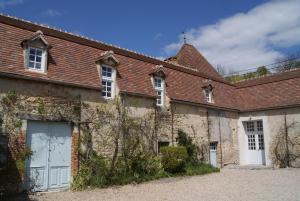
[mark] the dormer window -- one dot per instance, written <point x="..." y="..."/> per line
<point x="107" y="65"/>
<point x="108" y="82"/>
<point x="159" y="88"/>
<point x="36" y="50"/>
<point x="36" y="59"/>
<point x="208" y="93"/>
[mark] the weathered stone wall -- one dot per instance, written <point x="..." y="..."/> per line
<point x="191" y="119"/>
<point x="223" y="130"/>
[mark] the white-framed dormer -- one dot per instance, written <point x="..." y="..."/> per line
<point x="108" y="79"/>
<point x="208" y="93"/>
<point x="158" y="80"/>
<point x="36" y="53"/>
<point x="107" y="64"/>
<point x="159" y="86"/>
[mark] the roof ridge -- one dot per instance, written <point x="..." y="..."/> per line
<point x="267" y="75"/>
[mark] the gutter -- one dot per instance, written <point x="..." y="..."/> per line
<point x="204" y="105"/>
<point x="25" y="77"/>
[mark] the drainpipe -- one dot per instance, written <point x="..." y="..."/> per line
<point x="286" y="142"/>
<point x="172" y="124"/>
<point x="208" y="133"/>
<point x="220" y="138"/>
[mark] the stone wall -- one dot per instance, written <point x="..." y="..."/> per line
<point x="174" y="116"/>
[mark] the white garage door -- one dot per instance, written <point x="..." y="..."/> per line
<point x="255" y="143"/>
<point x="49" y="166"/>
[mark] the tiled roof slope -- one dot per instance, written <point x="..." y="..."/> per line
<point x="274" y="91"/>
<point x="71" y="62"/>
<point x="189" y="56"/>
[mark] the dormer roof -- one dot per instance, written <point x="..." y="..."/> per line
<point x="108" y="58"/>
<point x="38" y="39"/>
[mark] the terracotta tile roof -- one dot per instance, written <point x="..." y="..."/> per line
<point x="279" y="90"/>
<point x="189" y="56"/>
<point x="72" y="61"/>
<point x="269" y="78"/>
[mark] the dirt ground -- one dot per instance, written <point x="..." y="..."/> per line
<point x="229" y="185"/>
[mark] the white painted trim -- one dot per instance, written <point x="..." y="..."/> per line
<point x="112" y="80"/>
<point x="243" y="141"/>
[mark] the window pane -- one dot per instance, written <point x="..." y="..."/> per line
<point x="108" y="94"/>
<point x="260" y="126"/>
<point x="38" y="59"/>
<point x="251" y="142"/>
<point x="32" y="51"/>
<point x="32" y="58"/>
<point x="250" y="126"/>
<point x="157" y="82"/>
<point x="38" y="65"/>
<point x="39" y="52"/>
<point x="31" y="64"/>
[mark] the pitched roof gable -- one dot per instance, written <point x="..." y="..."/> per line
<point x="189" y="56"/>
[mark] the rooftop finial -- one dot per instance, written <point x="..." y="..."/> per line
<point x="184" y="37"/>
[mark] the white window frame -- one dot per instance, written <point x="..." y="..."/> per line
<point x="43" y="59"/>
<point x="108" y="79"/>
<point x="208" y="95"/>
<point x="160" y="90"/>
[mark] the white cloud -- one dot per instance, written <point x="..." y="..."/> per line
<point x="4" y="4"/>
<point x="249" y="39"/>
<point x="52" y="13"/>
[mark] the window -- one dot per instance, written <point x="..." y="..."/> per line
<point x="162" y="144"/>
<point x="251" y="142"/>
<point x="107" y="82"/>
<point x="159" y="88"/>
<point x="260" y="126"/>
<point x="261" y="142"/>
<point x="36" y="59"/>
<point x="250" y="126"/>
<point x="213" y="146"/>
<point x="208" y="95"/>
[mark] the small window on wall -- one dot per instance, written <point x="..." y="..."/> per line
<point x="162" y="144"/>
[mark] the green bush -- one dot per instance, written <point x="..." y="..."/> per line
<point x="91" y="173"/>
<point x="184" y="140"/>
<point x="174" y="159"/>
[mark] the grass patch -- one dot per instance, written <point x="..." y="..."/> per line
<point x="199" y="169"/>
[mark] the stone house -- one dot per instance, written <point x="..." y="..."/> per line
<point x="237" y="122"/>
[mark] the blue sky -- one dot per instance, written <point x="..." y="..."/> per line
<point x="226" y="32"/>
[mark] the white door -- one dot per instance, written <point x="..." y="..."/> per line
<point x="213" y="154"/>
<point x="255" y="143"/>
<point x="49" y="165"/>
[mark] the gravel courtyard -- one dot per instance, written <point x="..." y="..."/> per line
<point x="229" y="185"/>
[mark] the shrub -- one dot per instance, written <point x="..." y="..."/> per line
<point x="184" y="140"/>
<point x="91" y="173"/>
<point x="174" y="159"/>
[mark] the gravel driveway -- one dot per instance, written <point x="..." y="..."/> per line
<point x="229" y="185"/>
